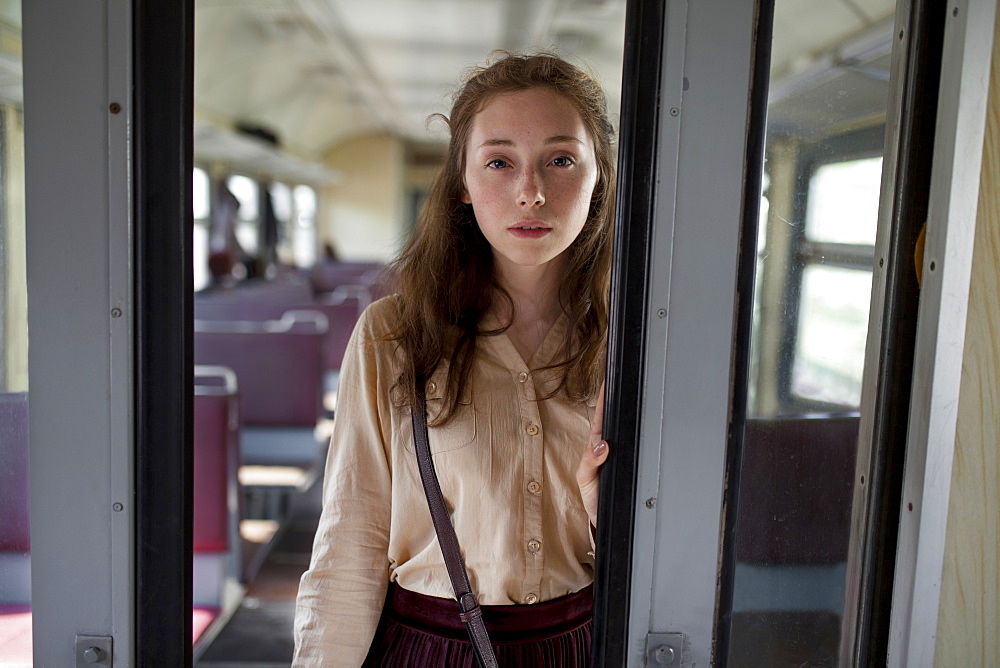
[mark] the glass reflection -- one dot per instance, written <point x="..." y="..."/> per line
<point x="833" y="324"/>
<point x="816" y="235"/>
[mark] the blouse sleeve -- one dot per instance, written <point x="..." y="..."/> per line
<point x="341" y="595"/>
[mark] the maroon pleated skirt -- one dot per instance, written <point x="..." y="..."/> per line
<point x="418" y="630"/>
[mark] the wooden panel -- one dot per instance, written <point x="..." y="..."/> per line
<point x="970" y="587"/>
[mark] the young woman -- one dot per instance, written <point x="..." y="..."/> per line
<point x="502" y="309"/>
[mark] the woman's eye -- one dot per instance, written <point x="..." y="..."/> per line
<point x="562" y="161"/>
<point x="497" y="164"/>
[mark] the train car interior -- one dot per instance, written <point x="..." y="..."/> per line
<point x="316" y="133"/>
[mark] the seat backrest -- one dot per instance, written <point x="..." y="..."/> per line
<point x="290" y="290"/>
<point x="14" y="522"/>
<point x="216" y="458"/>
<point x="328" y="276"/>
<point x="796" y="486"/>
<point x="279" y="366"/>
<point x="341" y="311"/>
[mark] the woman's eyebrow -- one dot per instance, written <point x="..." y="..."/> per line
<point x="496" y="142"/>
<point x="557" y="139"/>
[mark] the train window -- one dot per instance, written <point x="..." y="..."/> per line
<point x="15" y="544"/>
<point x="835" y="249"/>
<point x="247" y="193"/>
<point x="843" y="202"/>
<point x="202" y="207"/>
<point x="787" y="544"/>
<point x="304" y="230"/>
<point x="199" y="194"/>
<point x="281" y="207"/>
<point x="832" y="328"/>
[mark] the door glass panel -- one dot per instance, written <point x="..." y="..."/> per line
<point x="15" y="543"/>
<point x="828" y="93"/>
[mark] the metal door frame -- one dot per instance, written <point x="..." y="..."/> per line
<point x="107" y="98"/>
<point x="78" y="113"/>
<point x="686" y="323"/>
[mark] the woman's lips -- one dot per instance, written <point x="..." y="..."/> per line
<point x="529" y="229"/>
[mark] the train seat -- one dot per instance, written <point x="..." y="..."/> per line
<point x="217" y="566"/>
<point x="796" y="489"/>
<point x="286" y="289"/>
<point x="328" y="276"/>
<point x="341" y="308"/>
<point x="279" y="365"/>
<point x="15" y="539"/>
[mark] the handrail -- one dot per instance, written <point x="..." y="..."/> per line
<point x="282" y="325"/>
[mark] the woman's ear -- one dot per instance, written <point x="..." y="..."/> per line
<point x="465" y="197"/>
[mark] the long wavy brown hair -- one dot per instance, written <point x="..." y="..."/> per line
<point x="445" y="272"/>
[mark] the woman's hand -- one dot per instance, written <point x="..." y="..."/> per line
<point x="594" y="455"/>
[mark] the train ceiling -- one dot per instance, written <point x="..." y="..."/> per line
<point x="318" y="72"/>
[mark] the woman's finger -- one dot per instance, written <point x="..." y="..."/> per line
<point x="588" y="479"/>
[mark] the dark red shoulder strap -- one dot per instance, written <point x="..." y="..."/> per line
<point x="470" y="612"/>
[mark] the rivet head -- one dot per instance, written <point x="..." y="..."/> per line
<point x="531" y="599"/>
<point x="664" y="655"/>
<point x="118" y="507"/>
<point x="115" y="108"/>
<point x="651" y="502"/>
<point x="93" y="655"/>
<point x="116" y="312"/>
<point x="662" y="313"/>
<point x="675" y="111"/>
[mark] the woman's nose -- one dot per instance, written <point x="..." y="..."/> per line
<point x="532" y="190"/>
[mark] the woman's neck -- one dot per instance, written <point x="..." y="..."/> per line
<point x="534" y="292"/>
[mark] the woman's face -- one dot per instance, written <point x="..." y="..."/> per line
<point x="530" y="172"/>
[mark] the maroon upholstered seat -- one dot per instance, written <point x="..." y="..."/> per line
<point x="217" y="502"/>
<point x="216" y="459"/>
<point x="279" y="365"/>
<point x="796" y="487"/>
<point x="341" y="310"/>
<point x="328" y="276"/>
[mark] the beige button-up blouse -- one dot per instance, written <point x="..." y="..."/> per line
<point x="507" y="466"/>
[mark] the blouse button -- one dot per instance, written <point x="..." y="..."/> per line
<point x="534" y="487"/>
<point x="432" y="386"/>
<point x="534" y="546"/>
<point x="522" y="377"/>
<point x="532" y="429"/>
<point x="530" y="599"/>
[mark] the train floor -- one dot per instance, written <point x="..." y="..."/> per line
<point x="259" y="633"/>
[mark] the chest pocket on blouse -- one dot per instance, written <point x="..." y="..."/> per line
<point x="460" y="431"/>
